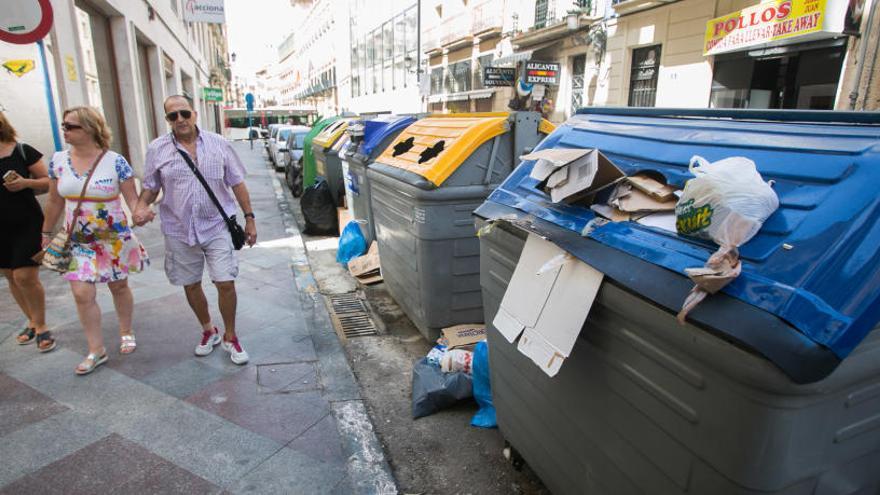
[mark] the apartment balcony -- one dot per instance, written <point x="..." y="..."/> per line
<point x="456" y="30"/>
<point x="431" y="39"/>
<point x="557" y="23"/>
<point x="624" y="7"/>
<point x="487" y="19"/>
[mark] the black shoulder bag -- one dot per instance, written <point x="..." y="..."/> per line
<point x="235" y="230"/>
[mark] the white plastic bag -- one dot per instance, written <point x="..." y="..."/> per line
<point x="726" y="202"/>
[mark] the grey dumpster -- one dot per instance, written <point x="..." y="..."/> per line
<point x="425" y="185"/>
<point x="326" y="146"/>
<point x="376" y="135"/>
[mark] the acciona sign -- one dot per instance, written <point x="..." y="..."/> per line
<point x="204" y="11"/>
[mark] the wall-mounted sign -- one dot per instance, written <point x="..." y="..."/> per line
<point x="25" y="21"/>
<point x="71" y="67"/>
<point x="498" y="76"/>
<point x="775" y="23"/>
<point x="212" y="94"/>
<point x="212" y="11"/>
<point x="18" y="67"/>
<point x="541" y="72"/>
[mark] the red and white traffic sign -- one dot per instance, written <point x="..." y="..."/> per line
<point x="25" y="21"/>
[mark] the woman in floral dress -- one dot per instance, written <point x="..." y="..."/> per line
<point x="103" y="247"/>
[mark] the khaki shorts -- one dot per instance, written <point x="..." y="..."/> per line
<point x="185" y="264"/>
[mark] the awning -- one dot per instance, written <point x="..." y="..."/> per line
<point x="520" y="56"/>
<point x="477" y="95"/>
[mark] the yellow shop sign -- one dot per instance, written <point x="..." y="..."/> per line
<point x="774" y="22"/>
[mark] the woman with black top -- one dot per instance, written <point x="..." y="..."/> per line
<point x="24" y="173"/>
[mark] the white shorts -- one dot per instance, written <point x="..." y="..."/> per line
<point x="185" y="264"/>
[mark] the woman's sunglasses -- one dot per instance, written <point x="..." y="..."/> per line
<point x="172" y="116"/>
<point x="70" y="127"/>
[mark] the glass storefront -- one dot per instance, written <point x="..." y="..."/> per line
<point x="802" y="76"/>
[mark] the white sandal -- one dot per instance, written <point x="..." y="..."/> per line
<point x="128" y="344"/>
<point x="91" y="362"/>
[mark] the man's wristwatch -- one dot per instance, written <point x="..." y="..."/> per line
<point x="250" y="214"/>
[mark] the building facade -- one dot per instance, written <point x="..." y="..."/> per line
<point x="124" y="58"/>
<point x="793" y="54"/>
<point x="383" y="71"/>
<point x="404" y="56"/>
<point x="460" y="39"/>
<point x="310" y="73"/>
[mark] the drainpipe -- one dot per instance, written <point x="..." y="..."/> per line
<point x="419" y="42"/>
<point x="871" y="72"/>
<point x="864" y="40"/>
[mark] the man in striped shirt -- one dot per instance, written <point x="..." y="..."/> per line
<point x="195" y="232"/>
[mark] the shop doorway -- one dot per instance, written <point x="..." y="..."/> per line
<point x="793" y="78"/>
<point x="101" y="78"/>
<point x="643" y="76"/>
<point x="578" y="68"/>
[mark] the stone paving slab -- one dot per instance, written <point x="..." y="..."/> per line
<point x="162" y="420"/>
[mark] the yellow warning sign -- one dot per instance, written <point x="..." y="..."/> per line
<point x="19" y="67"/>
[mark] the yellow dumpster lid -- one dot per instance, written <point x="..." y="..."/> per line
<point x="331" y="133"/>
<point x="338" y="145"/>
<point x="434" y="147"/>
<point x="546" y="127"/>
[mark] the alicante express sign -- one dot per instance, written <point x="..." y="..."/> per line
<point x="25" y="21"/>
<point x="774" y="23"/>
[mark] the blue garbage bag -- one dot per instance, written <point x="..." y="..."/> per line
<point x="351" y="243"/>
<point x="485" y="417"/>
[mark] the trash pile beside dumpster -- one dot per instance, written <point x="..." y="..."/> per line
<point x="769" y="385"/>
<point x="455" y="369"/>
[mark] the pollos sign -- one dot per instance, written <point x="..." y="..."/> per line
<point x="774" y="23"/>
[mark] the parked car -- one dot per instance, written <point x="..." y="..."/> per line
<point x="278" y="142"/>
<point x="291" y="156"/>
<point x="273" y="130"/>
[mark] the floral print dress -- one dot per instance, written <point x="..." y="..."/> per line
<point x="103" y="247"/>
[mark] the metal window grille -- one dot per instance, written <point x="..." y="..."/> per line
<point x="579" y="65"/>
<point x="643" y="76"/>
<point x="541" y="8"/>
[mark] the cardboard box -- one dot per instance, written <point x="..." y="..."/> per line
<point x="551" y="160"/>
<point x="367" y="268"/>
<point x="344" y="216"/>
<point x="547" y="303"/>
<point x="582" y="172"/>
<point x="652" y="187"/>
<point x="464" y="335"/>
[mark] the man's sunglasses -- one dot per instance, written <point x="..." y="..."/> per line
<point x="70" y="127"/>
<point x="172" y="116"/>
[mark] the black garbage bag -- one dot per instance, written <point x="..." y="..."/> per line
<point x="319" y="209"/>
<point x="433" y="390"/>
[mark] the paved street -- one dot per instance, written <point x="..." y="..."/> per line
<point x="162" y="420"/>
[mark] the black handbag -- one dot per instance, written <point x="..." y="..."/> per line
<point x="235" y="230"/>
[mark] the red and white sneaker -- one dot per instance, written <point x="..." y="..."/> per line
<point x="236" y="353"/>
<point x="210" y="338"/>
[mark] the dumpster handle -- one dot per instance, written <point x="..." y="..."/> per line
<point x="491" y="167"/>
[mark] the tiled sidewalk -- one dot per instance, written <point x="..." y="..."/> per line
<point x="162" y="420"/>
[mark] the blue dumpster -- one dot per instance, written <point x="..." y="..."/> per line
<point x="773" y="385"/>
<point x="377" y="135"/>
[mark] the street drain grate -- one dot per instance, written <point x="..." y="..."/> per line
<point x="350" y="316"/>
